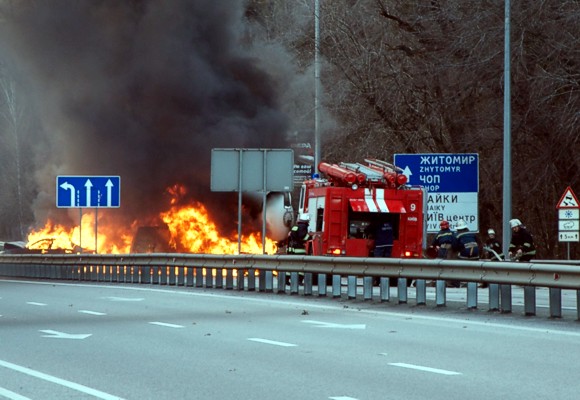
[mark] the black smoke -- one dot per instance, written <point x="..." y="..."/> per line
<point x="141" y="89"/>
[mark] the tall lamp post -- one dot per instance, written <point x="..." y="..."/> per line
<point x="507" y="172"/>
<point x="316" y="85"/>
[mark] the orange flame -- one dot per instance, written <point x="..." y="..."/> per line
<point x="191" y="230"/>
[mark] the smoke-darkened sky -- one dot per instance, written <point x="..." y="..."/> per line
<point x="141" y="89"/>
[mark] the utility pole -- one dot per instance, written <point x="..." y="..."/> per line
<point x="316" y="85"/>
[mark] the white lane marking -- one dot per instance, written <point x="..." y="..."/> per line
<point x="320" y="324"/>
<point x="275" y="343"/>
<point x="343" y="398"/>
<point x="398" y="315"/>
<point x="92" y="312"/>
<point x="58" y="381"/>
<point x="33" y="303"/>
<point x="166" y="324"/>
<point x="11" y="395"/>
<point x="426" y="369"/>
<point x="62" y="335"/>
<point x="114" y="298"/>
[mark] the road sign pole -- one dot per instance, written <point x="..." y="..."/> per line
<point x="81" y="229"/>
<point x="96" y="229"/>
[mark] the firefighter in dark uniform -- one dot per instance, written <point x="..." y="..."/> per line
<point x="444" y="240"/>
<point x="493" y="247"/>
<point x="522" y="246"/>
<point x="383" y="240"/>
<point x="466" y="244"/>
<point x="297" y="238"/>
<point x="299" y="235"/>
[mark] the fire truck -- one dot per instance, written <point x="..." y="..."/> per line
<point x="354" y="197"/>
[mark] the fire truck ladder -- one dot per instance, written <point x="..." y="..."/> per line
<point x="372" y="174"/>
<point x="384" y="165"/>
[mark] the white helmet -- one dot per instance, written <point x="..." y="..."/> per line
<point x="490" y="231"/>
<point x="304" y="217"/>
<point x="461" y="224"/>
<point x="515" y="222"/>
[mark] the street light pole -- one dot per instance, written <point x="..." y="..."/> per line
<point x="507" y="172"/>
<point x="316" y="85"/>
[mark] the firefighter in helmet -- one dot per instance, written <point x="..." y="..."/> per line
<point x="522" y="246"/>
<point x="466" y="244"/>
<point x="444" y="240"/>
<point x="493" y="249"/>
<point x="299" y="235"/>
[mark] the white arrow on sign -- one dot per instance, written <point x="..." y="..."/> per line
<point x="68" y="186"/>
<point x="407" y="172"/>
<point x="320" y="324"/>
<point x="88" y="186"/>
<point x="109" y="186"/>
<point x="62" y="335"/>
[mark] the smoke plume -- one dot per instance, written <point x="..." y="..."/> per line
<point x="141" y="89"/>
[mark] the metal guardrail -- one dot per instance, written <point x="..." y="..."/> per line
<point x="225" y="271"/>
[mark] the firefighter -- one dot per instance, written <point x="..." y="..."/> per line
<point x="383" y="240"/>
<point x="466" y="244"/>
<point x="493" y="249"/>
<point x="299" y="235"/>
<point x="522" y="246"/>
<point x="444" y="240"/>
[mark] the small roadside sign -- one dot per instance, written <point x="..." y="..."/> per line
<point x="568" y="200"/>
<point x="568" y="217"/>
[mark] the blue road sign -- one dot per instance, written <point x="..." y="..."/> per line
<point x="441" y="173"/>
<point x="88" y="191"/>
<point x="452" y="183"/>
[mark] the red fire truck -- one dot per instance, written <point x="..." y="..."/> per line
<point x="352" y="197"/>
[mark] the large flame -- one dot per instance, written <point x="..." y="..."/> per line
<point x="190" y="227"/>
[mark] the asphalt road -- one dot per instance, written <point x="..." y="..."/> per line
<point x="87" y="341"/>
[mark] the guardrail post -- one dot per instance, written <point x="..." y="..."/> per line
<point x="308" y="284"/>
<point x="269" y="281"/>
<point x="421" y="292"/>
<point x="529" y="300"/>
<point x="209" y="277"/>
<point x="230" y="279"/>
<point x="281" y="286"/>
<point x="321" y="284"/>
<point x="219" y="278"/>
<point x="385" y="288"/>
<point x="294" y="282"/>
<point x="493" y="297"/>
<point x="555" y="303"/>
<point x="251" y="279"/>
<point x="402" y="290"/>
<point x="505" y="292"/>
<point x="199" y="277"/>
<point x="181" y="275"/>
<point x="241" y="279"/>
<point x="337" y="286"/>
<point x="145" y="276"/>
<point x="471" y="295"/>
<point x="367" y="288"/>
<point x="440" y="287"/>
<point x="578" y="304"/>
<point x="351" y="287"/>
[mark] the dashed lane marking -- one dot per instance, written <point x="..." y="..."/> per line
<point x="273" y="342"/>
<point x="166" y="324"/>
<point x="426" y="369"/>
<point x="92" y="312"/>
<point x="59" y="381"/>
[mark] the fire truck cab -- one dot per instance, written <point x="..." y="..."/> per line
<point x="353" y="198"/>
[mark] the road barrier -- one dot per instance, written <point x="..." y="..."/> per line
<point x="269" y="273"/>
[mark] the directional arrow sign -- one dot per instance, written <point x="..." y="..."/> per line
<point x="320" y="324"/>
<point x="88" y="191"/>
<point x="62" y="335"/>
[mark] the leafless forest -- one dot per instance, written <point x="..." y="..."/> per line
<point x="397" y="76"/>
